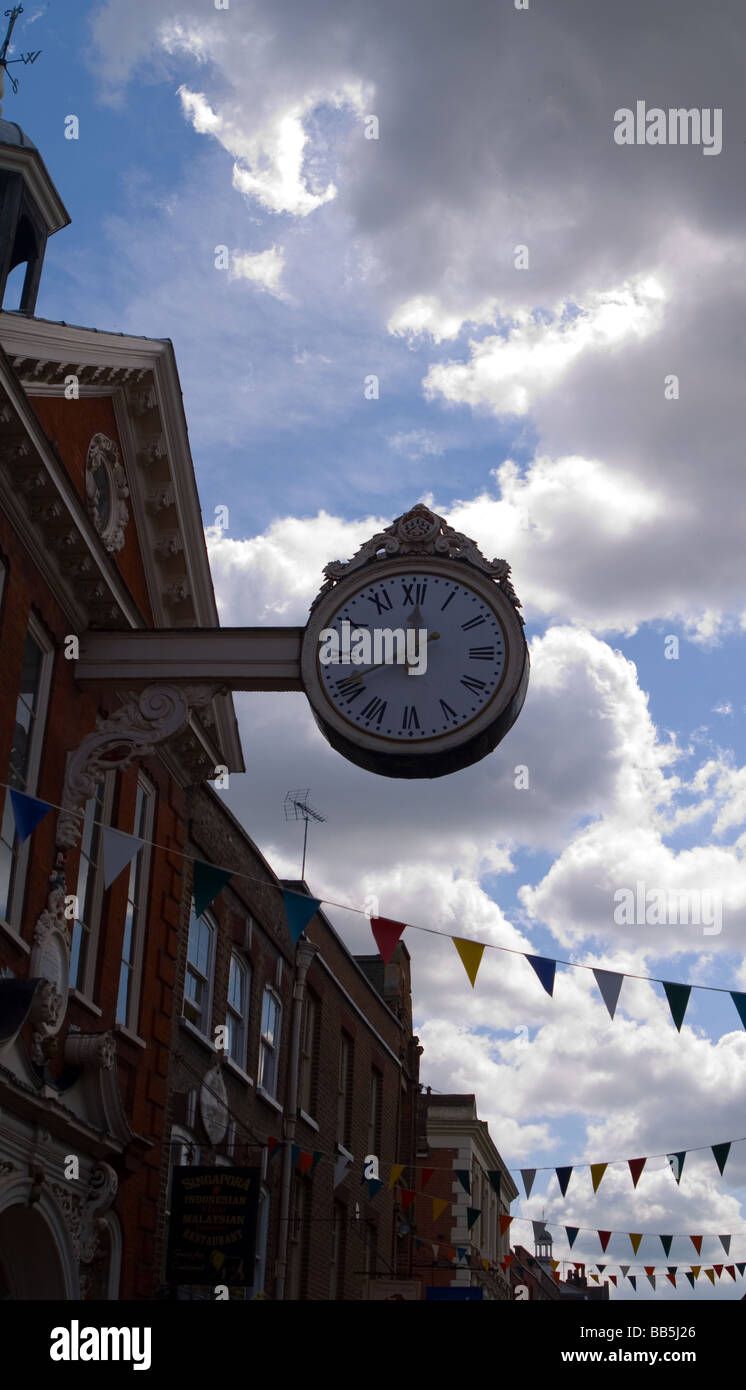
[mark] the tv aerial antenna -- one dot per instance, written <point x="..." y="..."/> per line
<point x="5" y="61"/>
<point x="297" y="808"/>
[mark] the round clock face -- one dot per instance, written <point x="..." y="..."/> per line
<point x="443" y="628"/>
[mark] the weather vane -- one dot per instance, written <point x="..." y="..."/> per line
<point x="5" y="61"/>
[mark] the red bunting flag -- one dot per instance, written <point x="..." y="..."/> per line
<point x="504" y="1223"/>
<point x="306" y="1161"/>
<point x="649" y="1269"/>
<point x="407" y="1198"/>
<point x="272" y="1145"/>
<point x="697" y="1243"/>
<point x="426" y="1175"/>
<point x="636" y="1166"/>
<point x="613" y="1279"/>
<point x="718" y="1270"/>
<point x="672" y="1277"/>
<point x="731" y="1270"/>
<point x="386" y="934"/>
<point x="604" y="1237"/>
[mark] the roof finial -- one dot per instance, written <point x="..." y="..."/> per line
<point x="11" y="16"/>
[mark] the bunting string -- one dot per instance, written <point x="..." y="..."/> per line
<point x="120" y="849"/>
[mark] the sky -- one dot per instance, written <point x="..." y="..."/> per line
<point x="532" y="405"/>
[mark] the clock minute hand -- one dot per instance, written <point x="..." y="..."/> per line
<point x="349" y="681"/>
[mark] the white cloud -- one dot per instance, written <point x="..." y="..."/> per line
<point x="262" y="268"/>
<point x="415" y="444"/>
<point x="506" y="374"/>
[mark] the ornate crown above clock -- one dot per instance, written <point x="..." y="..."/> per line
<point x="392" y="716"/>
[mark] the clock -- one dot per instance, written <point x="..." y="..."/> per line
<point x="414" y="659"/>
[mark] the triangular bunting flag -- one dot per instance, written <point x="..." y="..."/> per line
<point x="672" y="1269"/>
<point x="386" y="934"/>
<point x="27" y="812"/>
<point x="649" y="1269"/>
<point x="690" y="1277"/>
<point x="740" y="1002"/>
<point x="439" y="1206"/>
<point x="396" y="1171"/>
<point x="600" y="1268"/>
<point x="613" y="1279"/>
<point x="678" y="998"/>
<point x="597" y="1172"/>
<point x="208" y="881"/>
<point x="720" y="1152"/>
<point x="471" y="953"/>
<point x="306" y="1162"/>
<point x="294" y="1154"/>
<point x="725" y="1242"/>
<point x="425" y="1177"/>
<point x="636" y="1166"/>
<point x="495" y="1177"/>
<point x="572" y="1234"/>
<point x="554" y="1264"/>
<point x="609" y="983"/>
<point x="504" y="1223"/>
<point x="666" y="1243"/>
<point x="407" y="1197"/>
<point x="436" y="1251"/>
<point x="461" y="1252"/>
<point x="485" y="1264"/>
<point x="528" y="1175"/>
<point x="633" y="1281"/>
<point x="594" y="1277"/>
<point x="731" y="1270"/>
<point x="710" y="1275"/>
<point x="672" y="1277"/>
<point x="272" y="1146"/>
<point x="299" y="910"/>
<point x="472" y="1215"/>
<point x="507" y="1260"/>
<point x="635" y="1237"/>
<point x="697" y="1243"/>
<point x="451" y="1253"/>
<point x="119" y="850"/>
<point x="677" y="1164"/>
<point x="741" y="1266"/>
<point x="340" y="1169"/>
<point x="556" y="1276"/>
<point x="651" y="1280"/>
<point x="623" y="1270"/>
<point x="695" y="1270"/>
<point x="539" y="1229"/>
<point x="563" y="1178"/>
<point x="318" y="1154"/>
<point x="545" y="970"/>
<point x="464" y="1178"/>
<point x="374" y="1186"/>
<point x="604" y="1237"/>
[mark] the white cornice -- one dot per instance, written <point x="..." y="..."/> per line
<point x="28" y="162"/>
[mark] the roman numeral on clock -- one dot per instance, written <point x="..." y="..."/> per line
<point x="473" y="622"/>
<point x="419" y="592"/>
<point x="350" y="688"/>
<point x="409" y="718"/>
<point x="447" y="711"/>
<point x="380" y="599"/>
<point x="374" y="710"/>
<point x="473" y="685"/>
<point x="482" y="653"/>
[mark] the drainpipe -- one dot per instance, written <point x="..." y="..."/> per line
<point x="305" y="953"/>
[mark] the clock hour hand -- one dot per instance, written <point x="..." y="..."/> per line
<point x="349" y="681"/>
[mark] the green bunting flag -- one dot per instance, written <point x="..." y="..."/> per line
<point x="677" y="1164"/>
<point x="690" y="1277"/>
<point x="464" y="1178"/>
<point x="572" y="1233"/>
<point x="720" y="1153"/>
<point x="633" y="1281"/>
<point x="678" y="998"/>
<point x="28" y="811"/>
<point x="472" y="1215"/>
<point x="666" y="1242"/>
<point x="299" y="910"/>
<point x="740" y="1002"/>
<point x="495" y="1177"/>
<point x="208" y="882"/>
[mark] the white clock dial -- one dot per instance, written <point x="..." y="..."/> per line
<point x="466" y="658"/>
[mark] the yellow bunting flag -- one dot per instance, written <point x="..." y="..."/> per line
<point x="471" y="953"/>
<point x="710" y="1275"/>
<point x="695" y="1270"/>
<point x="597" y="1172"/>
<point x="485" y="1264"/>
<point x="396" y="1171"/>
<point x="635" y="1237"/>
<point x="439" y="1206"/>
<point x="554" y="1264"/>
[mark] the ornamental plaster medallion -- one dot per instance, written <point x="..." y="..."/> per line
<point x="106" y="488"/>
<point x="213" y="1105"/>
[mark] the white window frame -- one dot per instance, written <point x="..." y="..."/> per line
<point x="272" y="1048"/>
<point x="138" y="883"/>
<point x="238" y="1032"/>
<point x="18" y="893"/>
<point x="210" y="922"/>
<point x="85" y="982"/>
